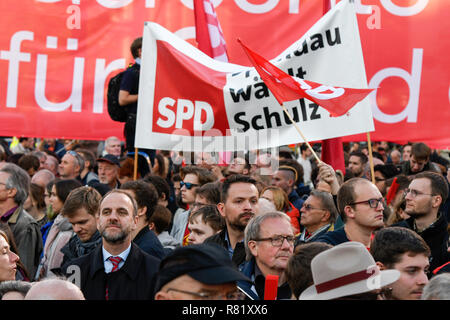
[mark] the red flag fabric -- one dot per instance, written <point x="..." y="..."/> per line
<point x="211" y="41"/>
<point x="332" y="149"/>
<point x="336" y="100"/>
<point x="333" y="153"/>
<point x="271" y="287"/>
<point x="208" y="32"/>
<point x="392" y="191"/>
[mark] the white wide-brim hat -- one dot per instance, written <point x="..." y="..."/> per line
<point x="345" y="270"/>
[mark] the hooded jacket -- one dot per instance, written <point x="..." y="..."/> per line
<point x="58" y="236"/>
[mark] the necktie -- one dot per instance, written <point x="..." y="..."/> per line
<point x="115" y="262"/>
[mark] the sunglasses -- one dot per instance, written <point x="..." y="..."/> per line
<point x="188" y="185"/>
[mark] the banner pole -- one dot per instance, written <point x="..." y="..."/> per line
<point x="135" y="164"/>
<point x="299" y="131"/>
<point x="369" y="146"/>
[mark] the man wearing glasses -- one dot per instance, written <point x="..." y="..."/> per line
<point x="269" y="243"/>
<point x="318" y="216"/>
<point x="426" y="192"/>
<point x="360" y="206"/>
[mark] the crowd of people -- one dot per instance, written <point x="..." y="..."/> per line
<point x="78" y="222"/>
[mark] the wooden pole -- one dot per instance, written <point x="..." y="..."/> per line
<point x="299" y="131"/>
<point x="135" y="164"/>
<point x="369" y="146"/>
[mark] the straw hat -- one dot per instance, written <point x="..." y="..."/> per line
<point x="345" y="270"/>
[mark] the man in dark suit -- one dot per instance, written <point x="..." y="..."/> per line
<point x="118" y="269"/>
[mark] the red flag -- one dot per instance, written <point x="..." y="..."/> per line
<point x="271" y="287"/>
<point x="208" y="32"/>
<point x="332" y="149"/>
<point x="336" y="100"/>
<point x="333" y="153"/>
<point x="210" y="39"/>
<point x="392" y="191"/>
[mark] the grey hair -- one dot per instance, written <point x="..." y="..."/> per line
<point x="19" y="180"/>
<point x="327" y="203"/>
<point x="78" y="158"/>
<point x="253" y="228"/>
<point x="14" y="285"/>
<point x="110" y="139"/>
<point x="39" y="154"/>
<point x="438" y="288"/>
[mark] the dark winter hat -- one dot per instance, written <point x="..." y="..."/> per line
<point x="207" y="263"/>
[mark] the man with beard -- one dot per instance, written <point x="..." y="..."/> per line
<point x="269" y="243"/>
<point x="117" y="269"/>
<point x="356" y="163"/>
<point x="426" y="192"/>
<point x="146" y="198"/>
<point x="239" y="203"/>
<point x="108" y="171"/>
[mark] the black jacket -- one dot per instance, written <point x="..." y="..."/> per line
<point x="333" y="237"/>
<point x="255" y="290"/>
<point x="238" y="258"/>
<point x="436" y="236"/>
<point x="405" y="167"/>
<point x="133" y="281"/>
<point x="147" y="240"/>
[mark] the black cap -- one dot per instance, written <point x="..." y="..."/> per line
<point x="207" y="263"/>
<point x="110" y="158"/>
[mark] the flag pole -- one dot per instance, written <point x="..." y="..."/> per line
<point x="135" y="164"/>
<point x="369" y="146"/>
<point x="299" y="131"/>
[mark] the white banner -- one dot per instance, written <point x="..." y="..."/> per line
<point x="190" y="102"/>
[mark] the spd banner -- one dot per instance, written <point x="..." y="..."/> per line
<point x="188" y="101"/>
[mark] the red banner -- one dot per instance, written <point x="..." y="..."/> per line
<point x="57" y="56"/>
<point x="336" y="100"/>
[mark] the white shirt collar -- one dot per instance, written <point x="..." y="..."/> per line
<point x="107" y="264"/>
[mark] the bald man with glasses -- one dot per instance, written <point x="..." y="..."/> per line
<point x="360" y="205"/>
<point x="424" y="196"/>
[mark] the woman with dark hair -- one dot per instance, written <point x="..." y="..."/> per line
<point x="35" y="204"/>
<point x="11" y="268"/>
<point x="160" y="168"/>
<point x="48" y="211"/>
<point x="61" y="230"/>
